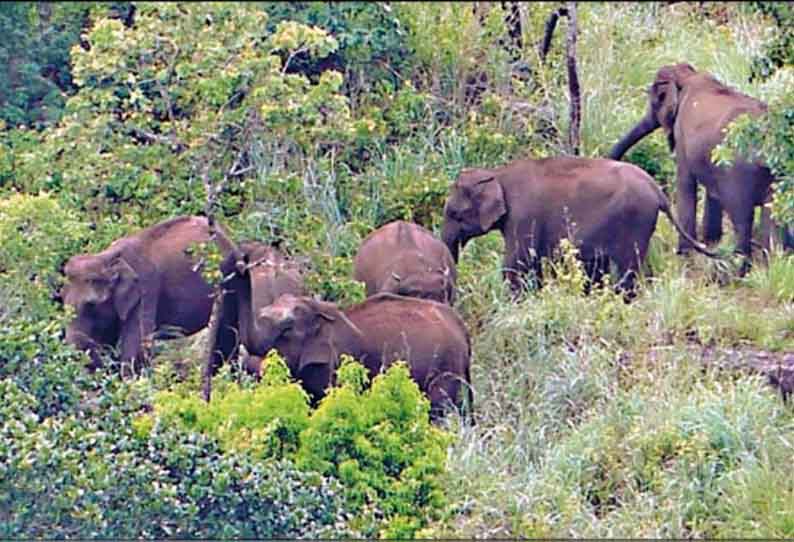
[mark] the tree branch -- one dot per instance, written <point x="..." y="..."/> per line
<point x="551" y="24"/>
<point x="573" y="82"/>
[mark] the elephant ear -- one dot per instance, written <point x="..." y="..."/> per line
<point x="329" y="325"/>
<point x="664" y="99"/>
<point x="319" y="347"/>
<point x="127" y="292"/>
<point x="489" y="199"/>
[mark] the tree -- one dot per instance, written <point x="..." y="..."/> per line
<point x="181" y="96"/>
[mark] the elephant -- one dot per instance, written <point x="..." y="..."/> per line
<point x="141" y="284"/>
<point x="694" y="109"/>
<point x="406" y="259"/>
<point x="266" y="275"/>
<point x="430" y="336"/>
<point x="608" y="209"/>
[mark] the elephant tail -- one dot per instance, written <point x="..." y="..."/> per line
<point x="664" y="206"/>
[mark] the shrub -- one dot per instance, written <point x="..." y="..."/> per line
<point x="378" y="442"/>
<point x="263" y="421"/>
<point x="91" y="472"/>
<point x="38" y="236"/>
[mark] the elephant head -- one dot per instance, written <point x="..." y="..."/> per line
<point x="103" y="290"/>
<point x="476" y="205"/>
<point x="663" y="98"/>
<point x="310" y="334"/>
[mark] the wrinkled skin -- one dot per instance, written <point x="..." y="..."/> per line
<point x="607" y="208"/>
<point x="268" y="275"/>
<point x="694" y="108"/>
<point x="430" y="336"/>
<point x="139" y="285"/>
<point x="406" y="259"/>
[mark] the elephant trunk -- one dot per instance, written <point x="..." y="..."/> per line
<point x="82" y="341"/>
<point x="450" y="235"/>
<point x="647" y="125"/>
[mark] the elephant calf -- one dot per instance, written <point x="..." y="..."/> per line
<point x="140" y="284"/>
<point x="406" y="259"/>
<point x="265" y="275"/>
<point x="608" y="208"/>
<point x="430" y="336"/>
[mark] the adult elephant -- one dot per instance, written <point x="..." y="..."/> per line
<point x="608" y="209"/>
<point x="406" y="259"/>
<point x="694" y="109"/>
<point x="430" y="336"/>
<point x="139" y="285"/>
<point x="265" y="274"/>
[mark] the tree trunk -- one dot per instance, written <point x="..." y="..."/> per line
<point x="215" y="320"/>
<point x="573" y="82"/>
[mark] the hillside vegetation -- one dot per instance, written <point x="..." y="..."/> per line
<point x="311" y="124"/>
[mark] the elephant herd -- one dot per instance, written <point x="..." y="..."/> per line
<point x="146" y="284"/>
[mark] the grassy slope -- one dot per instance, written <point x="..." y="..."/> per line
<point x="604" y="420"/>
<point x="599" y="419"/>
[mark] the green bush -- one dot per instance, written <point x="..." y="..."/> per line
<point x="378" y="442"/>
<point x="89" y="472"/>
<point x="38" y="235"/>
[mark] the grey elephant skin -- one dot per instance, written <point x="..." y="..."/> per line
<point x="406" y="259"/>
<point x="140" y="284"/>
<point x="607" y="208"/>
<point x="694" y="108"/>
<point x="267" y="274"/>
<point x="430" y="336"/>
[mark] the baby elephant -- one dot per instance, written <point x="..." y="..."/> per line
<point x="406" y="259"/>
<point x="430" y="336"/>
<point x="256" y="275"/>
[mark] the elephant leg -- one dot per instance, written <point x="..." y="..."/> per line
<point x="773" y="234"/>
<point x="226" y="340"/>
<point x="446" y="391"/>
<point x="712" y="220"/>
<point x="686" y="202"/>
<point x="131" y="343"/>
<point x="137" y="333"/>
<point x="595" y="269"/>
<point x="742" y="217"/>
<point x="517" y="271"/>
<point x="628" y="260"/>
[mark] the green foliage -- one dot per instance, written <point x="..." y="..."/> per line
<point x="378" y="441"/>
<point x="686" y="452"/>
<point x="778" y="51"/>
<point x="768" y="139"/>
<point x="35" y="39"/>
<point x="33" y="357"/>
<point x="381" y="445"/>
<point x="38" y="236"/>
<point x="153" y="102"/>
<point x="73" y="463"/>
<point x="263" y="422"/>
<point x="370" y="36"/>
<point x="320" y="122"/>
